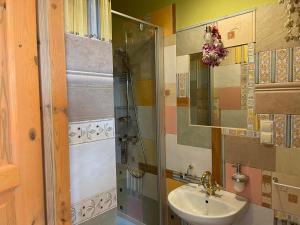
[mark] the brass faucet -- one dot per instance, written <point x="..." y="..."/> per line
<point x="209" y="187"/>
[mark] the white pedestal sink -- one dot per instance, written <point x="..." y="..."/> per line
<point x="193" y="205"/>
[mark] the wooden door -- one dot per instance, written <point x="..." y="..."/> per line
<point x="21" y="165"/>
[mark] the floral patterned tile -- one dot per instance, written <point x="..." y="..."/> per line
<point x="182" y="85"/>
<point x="282" y="66"/>
<point x="89" y="131"/>
<point x="280" y="129"/>
<point x="265" y="67"/>
<point x="93" y="206"/>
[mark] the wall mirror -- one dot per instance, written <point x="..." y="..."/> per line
<point x="218" y="94"/>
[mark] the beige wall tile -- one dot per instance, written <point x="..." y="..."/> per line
<point x="249" y="152"/>
<point x="183" y="64"/>
<point x="86" y="54"/>
<point x="287" y="161"/>
<point x="170" y="64"/>
<point x="84" y="93"/>
<point x="237" y="30"/>
<point x="190" y="41"/>
<point x="270" y="30"/>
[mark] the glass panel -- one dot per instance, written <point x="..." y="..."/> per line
<point x="135" y="107"/>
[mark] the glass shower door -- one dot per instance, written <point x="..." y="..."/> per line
<point x="135" y="119"/>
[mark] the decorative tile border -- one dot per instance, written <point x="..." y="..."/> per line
<point x="266" y="189"/>
<point x="250" y="87"/>
<point x="90" y="131"/>
<point x="182" y="85"/>
<point x="296" y="57"/>
<point x="240" y="132"/>
<point x="93" y="206"/>
<point x="244" y="86"/>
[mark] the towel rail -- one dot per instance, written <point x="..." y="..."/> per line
<point x="275" y="182"/>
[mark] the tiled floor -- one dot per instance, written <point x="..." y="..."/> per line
<point x="122" y="221"/>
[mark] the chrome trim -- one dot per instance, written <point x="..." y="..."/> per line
<point x="216" y="20"/>
<point x="133" y="18"/>
<point x="160" y="134"/>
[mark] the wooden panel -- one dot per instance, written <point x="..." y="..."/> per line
<point x="237" y="30"/>
<point x="270" y="30"/>
<point x="86" y="54"/>
<point x="24" y="109"/>
<point x="54" y="99"/>
<point x="9" y="177"/>
<point x="173" y="184"/>
<point x="217" y="155"/>
<point x="272" y="98"/>
<point x="7" y="209"/>
<point x="5" y="151"/>
<point x="90" y="97"/>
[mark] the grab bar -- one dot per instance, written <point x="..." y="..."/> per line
<point x="275" y="181"/>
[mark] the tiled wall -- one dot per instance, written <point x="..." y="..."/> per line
<point x="276" y="62"/>
<point x="91" y="129"/>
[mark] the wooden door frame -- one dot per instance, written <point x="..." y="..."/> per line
<point x="23" y="199"/>
<point x="53" y="83"/>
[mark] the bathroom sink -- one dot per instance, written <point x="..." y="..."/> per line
<point x="193" y="205"/>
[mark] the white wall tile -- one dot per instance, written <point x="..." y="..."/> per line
<point x="180" y="156"/>
<point x="93" y="169"/>
<point x="183" y="64"/>
<point x="257" y="215"/>
<point x="170" y="64"/>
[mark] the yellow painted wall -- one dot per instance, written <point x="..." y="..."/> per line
<point x="188" y="12"/>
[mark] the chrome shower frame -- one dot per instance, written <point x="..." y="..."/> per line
<point x="160" y="115"/>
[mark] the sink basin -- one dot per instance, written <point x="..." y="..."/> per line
<point x="193" y="205"/>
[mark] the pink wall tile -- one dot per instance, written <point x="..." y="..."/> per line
<point x="229" y="98"/>
<point x="135" y="208"/>
<point x="253" y="187"/>
<point x="171" y="119"/>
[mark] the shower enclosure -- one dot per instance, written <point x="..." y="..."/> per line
<point x="137" y="86"/>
